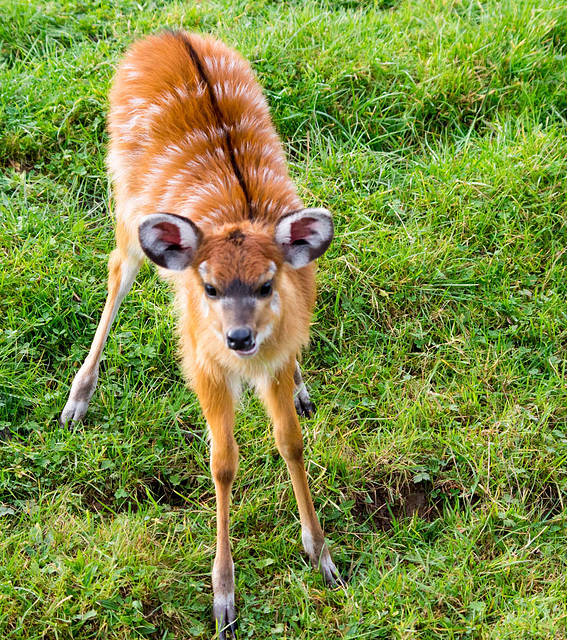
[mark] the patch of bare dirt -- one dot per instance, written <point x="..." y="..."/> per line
<point x="383" y="505"/>
<point x="156" y="489"/>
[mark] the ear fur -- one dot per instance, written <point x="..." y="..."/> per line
<point x="304" y="235"/>
<point x="168" y="240"/>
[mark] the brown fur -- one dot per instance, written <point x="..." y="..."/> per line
<point x="159" y="71"/>
<point x="191" y="135"/>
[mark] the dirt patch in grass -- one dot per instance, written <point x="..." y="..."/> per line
<point x="154" y="616"/>
<point x="383" y="505"/>
<point x="23" y="164"/>
<point x="155" y="489"/>
<point x="163" y="491"/>
<point x="549" y="500"/>
<point x="377" y="503"/>
<point x="381" y="5"/>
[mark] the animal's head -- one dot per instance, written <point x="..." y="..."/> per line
<point x="239" y="267"/>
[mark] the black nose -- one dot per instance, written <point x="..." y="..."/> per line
<point x="239" y="338"/>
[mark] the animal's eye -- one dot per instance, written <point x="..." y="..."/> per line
<point x="211" y="291"/>
<point x="266" y="289"/>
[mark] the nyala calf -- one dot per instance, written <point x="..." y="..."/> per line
<point x="202" y="189"/>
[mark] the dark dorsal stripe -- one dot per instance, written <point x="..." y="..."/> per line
<point x="220" y="120"/>
<point x="236" y="237"/>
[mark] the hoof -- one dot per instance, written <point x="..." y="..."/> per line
<point x="332" y="576"/>
<point x="304" y="410"/>
<point x="328" y="570"/>
<point x="73" y="413"/>
<point x="82" y="390"/>
<point x="224" y="616"/>
<point x="303" y="405"/>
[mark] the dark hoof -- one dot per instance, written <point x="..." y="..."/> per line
<point x="330" y="573"/>
<point x="334" y="579"/>
<point x="224" y="617"/>
<point x="304" y="407"/>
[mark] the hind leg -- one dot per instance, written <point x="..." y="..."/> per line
<point x="123" y="268"/>
<point x="301" y="399"/>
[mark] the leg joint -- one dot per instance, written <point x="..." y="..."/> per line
<point x="289" y="443"/>
<point x="224" y="462"/>
<point x="224" y="475"/>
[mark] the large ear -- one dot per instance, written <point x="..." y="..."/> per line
<point x="304" y="235"/>
<point x="169" y="240"/>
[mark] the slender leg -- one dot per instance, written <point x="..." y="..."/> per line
<point x="278" y="398"/>
<point x="122" y="271"/>
<point x="217" y="403"/>
<point x="301" y="399"/>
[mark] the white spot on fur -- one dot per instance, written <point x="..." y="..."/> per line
<point x="275" y="304"/>
<point x="263" y="335"/>
<point x="200" y="89"/>
<point x="204" y="305"/>
<point x="224" y="63"/>
<point x="228" y="89"/>
<point x="308" y="542"/>
<point x="167" y="98"/>
<point x="214" y="132"/>
<point x="250" y="122"/>
<point x="137" y="102"/>
<point x="182" y="92"/>
<point x="213" y="216"/>
<point x="176" y="181"/>
<point x="195" y="136"/>
<point x="154" y="110"/>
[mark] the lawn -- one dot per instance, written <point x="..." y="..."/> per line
<point x="435" y="131"/>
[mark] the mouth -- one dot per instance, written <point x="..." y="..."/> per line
<point x="250" y="352"/>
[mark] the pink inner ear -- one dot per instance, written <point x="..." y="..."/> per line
<point x="301" y="229"/>
<point x="170" y="233"/>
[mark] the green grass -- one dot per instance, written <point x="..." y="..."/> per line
<point x="436" y="132"/>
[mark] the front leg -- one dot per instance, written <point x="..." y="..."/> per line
<point x="123" y="268"/>
<point x="217" y="403"/>
<point x="277" y="395"/>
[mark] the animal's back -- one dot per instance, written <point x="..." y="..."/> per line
<point x="191" y="134"/>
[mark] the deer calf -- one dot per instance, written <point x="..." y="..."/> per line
<point x="202" y="189"/>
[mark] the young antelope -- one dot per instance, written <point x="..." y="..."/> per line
<point x="202" y="189"/>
